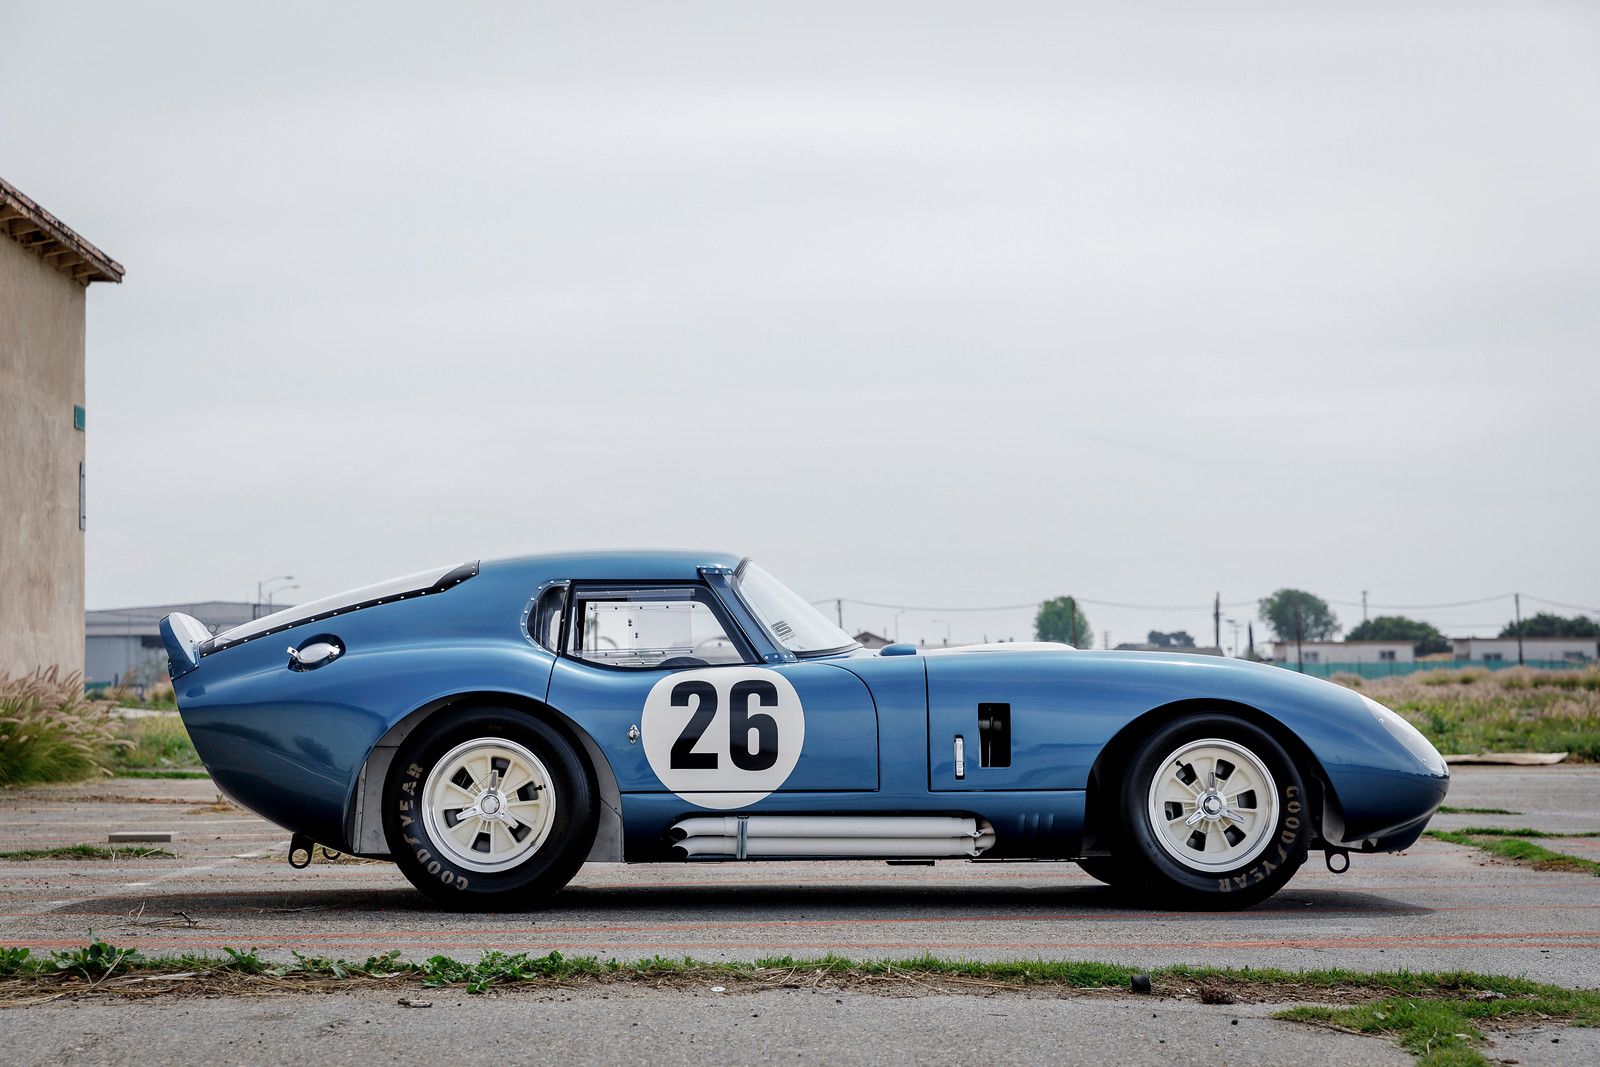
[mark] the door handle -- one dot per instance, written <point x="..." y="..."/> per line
<point x="961" y="756"/>
<point x="313" y="654"/>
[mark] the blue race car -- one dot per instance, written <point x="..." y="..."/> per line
<point x="493" y="726"/>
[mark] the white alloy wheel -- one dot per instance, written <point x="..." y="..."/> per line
<point x="488" y="804"/>
<point x="1213" y="805"/>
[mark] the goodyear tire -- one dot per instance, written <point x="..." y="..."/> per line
<point x="489" y="809"/>
<point x="1213" y="814"/>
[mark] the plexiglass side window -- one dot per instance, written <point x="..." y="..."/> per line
<point x="648" y="629"/>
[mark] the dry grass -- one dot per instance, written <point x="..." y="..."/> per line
<point x="49" y="732"/>
<point x="1511" y="710"/>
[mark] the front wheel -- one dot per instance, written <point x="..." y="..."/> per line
<point x="1213" y="813"/>
<point x="489" y="808"/>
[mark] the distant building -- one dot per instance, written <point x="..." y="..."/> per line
<point x="1541" y="649"/>
<point x="1198" y="650"/>
<point x="868" y="639"/>
<point x="124" y="644"/>
<point x="1351" y="652"/>
<point x="45" y="269"/>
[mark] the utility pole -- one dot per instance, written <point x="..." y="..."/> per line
<point x="1216" y="621"/>
<point x="1250" y="635"/>
<point x="1516" y="598"/>
<point x="1105" y="639"/>
<point x="1299" y="636"/>
<point x="1363" y="605"/>
<point x="838" y="607"/>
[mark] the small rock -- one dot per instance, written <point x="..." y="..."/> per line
<point x="407" y="1002"/>
<point x="1489" y="994"/>
<point x="718" y="989"/>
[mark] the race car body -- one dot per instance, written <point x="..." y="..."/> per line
<point x="492" y="726"/>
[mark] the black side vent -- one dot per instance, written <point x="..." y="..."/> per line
<point x="994" y="735"/>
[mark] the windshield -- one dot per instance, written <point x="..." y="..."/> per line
<point x="793" y="623"/>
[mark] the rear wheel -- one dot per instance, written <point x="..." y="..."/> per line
<point x="489" y="808"/>
<point x="1213" y="814"/>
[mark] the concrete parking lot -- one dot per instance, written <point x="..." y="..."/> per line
<point x="1436" y="906"/>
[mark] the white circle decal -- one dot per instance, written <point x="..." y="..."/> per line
<point x="723" y="737"/>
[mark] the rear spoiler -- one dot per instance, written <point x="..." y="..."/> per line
<point x="182" y="634"/>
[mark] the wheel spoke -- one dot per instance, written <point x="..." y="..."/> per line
<point x="515" y="778"/>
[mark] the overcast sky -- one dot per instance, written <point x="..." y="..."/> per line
<point x="949" y="305"/>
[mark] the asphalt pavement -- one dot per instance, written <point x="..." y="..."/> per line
<point x="1434" y="907"/>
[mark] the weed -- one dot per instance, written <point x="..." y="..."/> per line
<point x="96" y="960"/>
<point x="245" y="962"/>
<point x="1501" y="711"/>
<point x="12" y="960"/>
<point x="48" y="731"/>
<point x="153" y="743"/>
<point x="88" y="852"/>
<point x="1496" y="843"/>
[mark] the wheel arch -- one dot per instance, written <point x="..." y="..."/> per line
<point x="1109" y="766"/>
<point x="363" y="818"/>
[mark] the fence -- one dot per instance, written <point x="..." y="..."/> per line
<point x="1392" y="669"/>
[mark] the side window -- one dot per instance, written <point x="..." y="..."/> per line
<point x="649" y="628"/>
<point x="544" y="621"/>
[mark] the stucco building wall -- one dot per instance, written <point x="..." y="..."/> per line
<point x="41" y="546"/>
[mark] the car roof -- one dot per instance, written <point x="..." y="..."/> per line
<point x="627" y="564"/>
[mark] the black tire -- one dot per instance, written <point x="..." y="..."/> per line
<point x="533" y="878"/>
<point x="1156" y="872"/>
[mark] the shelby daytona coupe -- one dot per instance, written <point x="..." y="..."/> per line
<point x="491" y="727"/>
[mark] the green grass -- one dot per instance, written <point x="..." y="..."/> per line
<point x="88" y="852"/>
<point x="1519" y="848"/>
<point x="1446" y="809"/>
<point x="1441" y="1031"/>
<point x="1438" y="1016"/>
<point x="154" y="743"/>
<point x="1523" y="831"/>
<point x="1512" y="710"/>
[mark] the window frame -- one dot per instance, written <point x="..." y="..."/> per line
<point x="577" y="593"/>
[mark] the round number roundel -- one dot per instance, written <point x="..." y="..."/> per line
<point x="723" y="737"/>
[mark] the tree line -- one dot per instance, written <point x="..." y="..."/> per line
<point x="1297" y="614"/>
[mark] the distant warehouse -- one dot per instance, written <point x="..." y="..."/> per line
<point x="45" y="269"/>
<point x="1345" y="652"/>
<point x="1541" y="649"/>
<point x="123" y="645"/>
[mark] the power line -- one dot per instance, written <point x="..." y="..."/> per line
<point x="1203" y="606"/>
<point x="1562" y="604"/>
<point x="1034" y="604"/>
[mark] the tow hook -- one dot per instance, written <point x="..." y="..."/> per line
<point x="1338" y="860"/>
<point x="300" y="845"/>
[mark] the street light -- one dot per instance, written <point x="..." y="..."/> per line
<point x="897" y="615"/>
<point x="255" y="609"/>
<point x="281" y="589"/>
<point x="946" y="626"/>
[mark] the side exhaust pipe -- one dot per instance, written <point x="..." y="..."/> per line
<point x="840" y="836"/>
